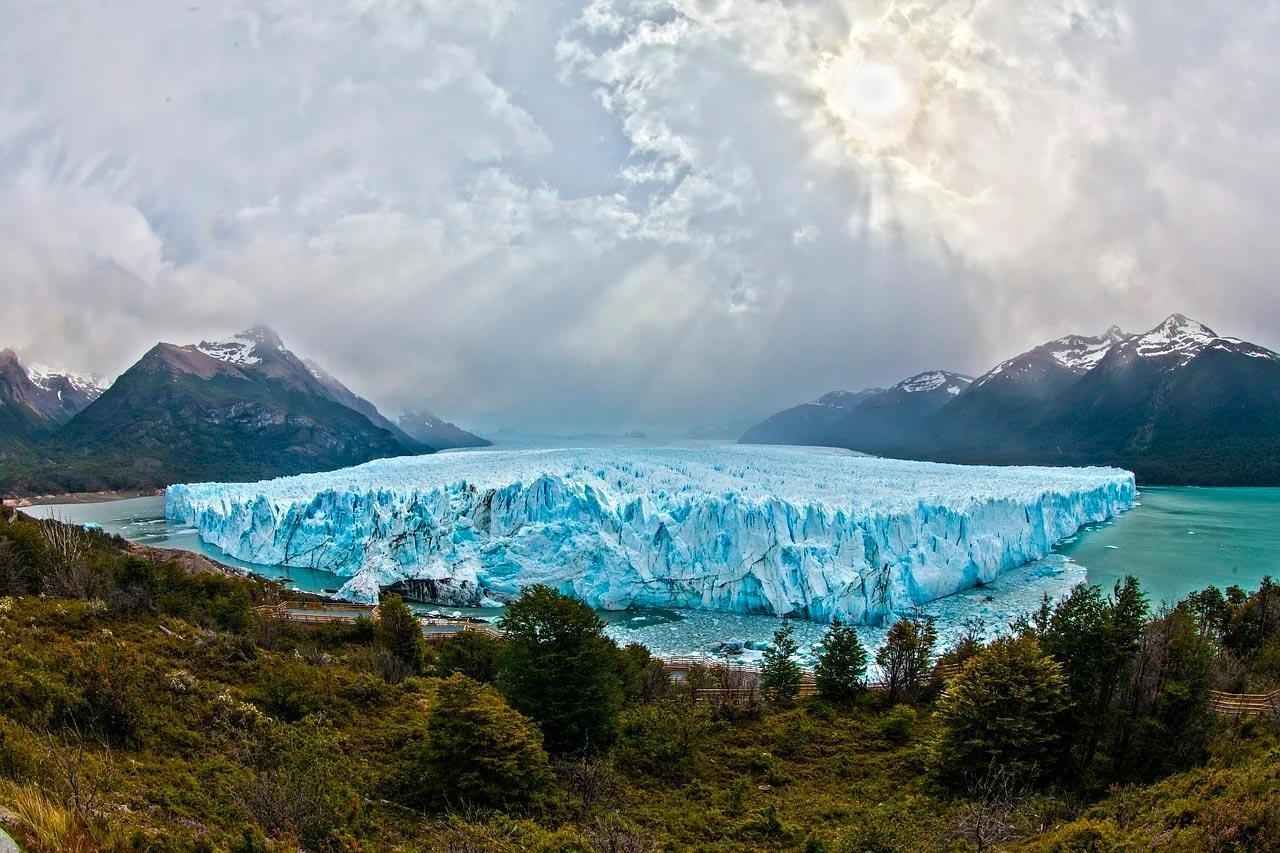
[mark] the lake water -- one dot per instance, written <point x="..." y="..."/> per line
<point x="1176" y="541"/>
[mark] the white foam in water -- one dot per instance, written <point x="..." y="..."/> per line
<point x="805" y="532"/>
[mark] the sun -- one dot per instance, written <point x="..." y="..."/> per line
<point x="873" y="101"/>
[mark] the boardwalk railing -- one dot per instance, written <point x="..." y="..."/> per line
<point x="1245" y="704"/>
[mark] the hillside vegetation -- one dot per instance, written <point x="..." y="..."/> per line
<point x="146" y="706"/>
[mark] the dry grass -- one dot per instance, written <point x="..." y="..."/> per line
<point x="46" y="827"/>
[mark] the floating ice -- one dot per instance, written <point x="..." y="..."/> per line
<point x="806" y="532"/>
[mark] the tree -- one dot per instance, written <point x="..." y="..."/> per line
<point x="1002" y="712"/>
<point x="1096" y="641"/>
<point x="560" y="669"/>
<point x="842" y="664"/>
<point x="1166" y="721"/>
<point x="478" y="752"/>
<point x="475" y="654"/>
<point x="400" y="635"/>
<point x="780" y="675"/>
<point x="905" y="657"/>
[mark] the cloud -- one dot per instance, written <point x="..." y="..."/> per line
<point x="616" y="213"/>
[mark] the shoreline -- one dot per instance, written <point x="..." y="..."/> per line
<point x="107" y="496"/>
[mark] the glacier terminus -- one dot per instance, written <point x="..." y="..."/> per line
<point x="802" y="532"/>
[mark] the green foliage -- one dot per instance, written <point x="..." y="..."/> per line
<point x="1095" y="639"/>
<point x="291" y="690"/>
<point x="475" y="654"/>
<point x="560" y="669"/>
<point x="780" y="675"/>
<point x="400" y="636"/>
<point x="1002" y="711"/>
<point x="303" y="787"/>
<point x="906" y="657"/>
<point x="662" y="741"/>
<point x="643" y="678"/>
<point x="842" y="664"/>
<point x="898" y="724"/>
<point x="477" y="752"/>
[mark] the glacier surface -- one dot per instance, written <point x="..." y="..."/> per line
<point x="806" y="532"/>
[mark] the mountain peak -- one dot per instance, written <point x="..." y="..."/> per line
<point x="262" y="335"/>
<point x="931" y="380"/>
<point x="1178" y="335"/>
<point x="1114" y="333"/>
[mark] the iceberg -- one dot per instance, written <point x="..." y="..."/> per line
<point x="808" y="533"/>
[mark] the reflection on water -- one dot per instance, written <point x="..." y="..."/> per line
<point x="1177" y="541"/>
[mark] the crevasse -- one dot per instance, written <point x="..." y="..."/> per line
<point x="805" y="532"/>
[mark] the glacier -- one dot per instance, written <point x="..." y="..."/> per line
<point x="809" y="533"/>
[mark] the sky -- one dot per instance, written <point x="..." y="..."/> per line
<point x="618" y="214"/>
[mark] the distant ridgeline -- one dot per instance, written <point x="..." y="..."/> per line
<point x="243" y="409"/>
<point x="1179" y="404"/>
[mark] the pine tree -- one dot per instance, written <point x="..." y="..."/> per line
<point x="842" y="664"/>
<point x="780" y="675"/>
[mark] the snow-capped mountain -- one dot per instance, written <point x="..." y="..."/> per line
<point x="873" y="420"/>
<point x="36" y="399"/>
<point x="242" y="408"/>
<point x="1178" y="403"/>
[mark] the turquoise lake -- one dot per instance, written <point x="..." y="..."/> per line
<point x="1175" y="541"/>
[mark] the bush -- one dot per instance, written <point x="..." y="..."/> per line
<point x="304" y="787"/>
<point x="898" y="724"/>
<point x="560" y="669"/>
<point x="1002" y="711"/>
<point x="400" y="636"/>
<point x="477" y="752"/>
<point x="290" y="690"/>
<point x="475" y="654"/>
<point x="662" y="741"/>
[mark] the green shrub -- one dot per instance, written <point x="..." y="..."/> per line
<point x="477" y="752"/>
<point x="290" y="690"/>
<point x="475" y="654"/>
<point x="662" y="741"/>
<point x="898" y="724"/>
<point x="400" y="636"/>
<point x="1002" y="711"/>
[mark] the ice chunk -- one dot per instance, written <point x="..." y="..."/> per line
<point x="806" y="532"/>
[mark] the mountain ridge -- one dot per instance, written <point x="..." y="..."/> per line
<point x="1178" y="403"/>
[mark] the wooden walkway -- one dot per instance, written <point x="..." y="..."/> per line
<point x="1245" y="704"/>
<point x="310" y="612"/>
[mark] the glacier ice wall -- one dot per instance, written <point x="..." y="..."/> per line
<point x="806" y="532"/>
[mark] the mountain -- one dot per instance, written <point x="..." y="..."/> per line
<point x="244" y="408"/>
<point x="809" y="423"/>
<point x="430" y="430"/>
<point x="1000" y="406"/>
<point x="1176" y="404"/>
<point x="874" y="420"/>
<point x="1179" y="403"/>
<point x="36" y="400"/>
